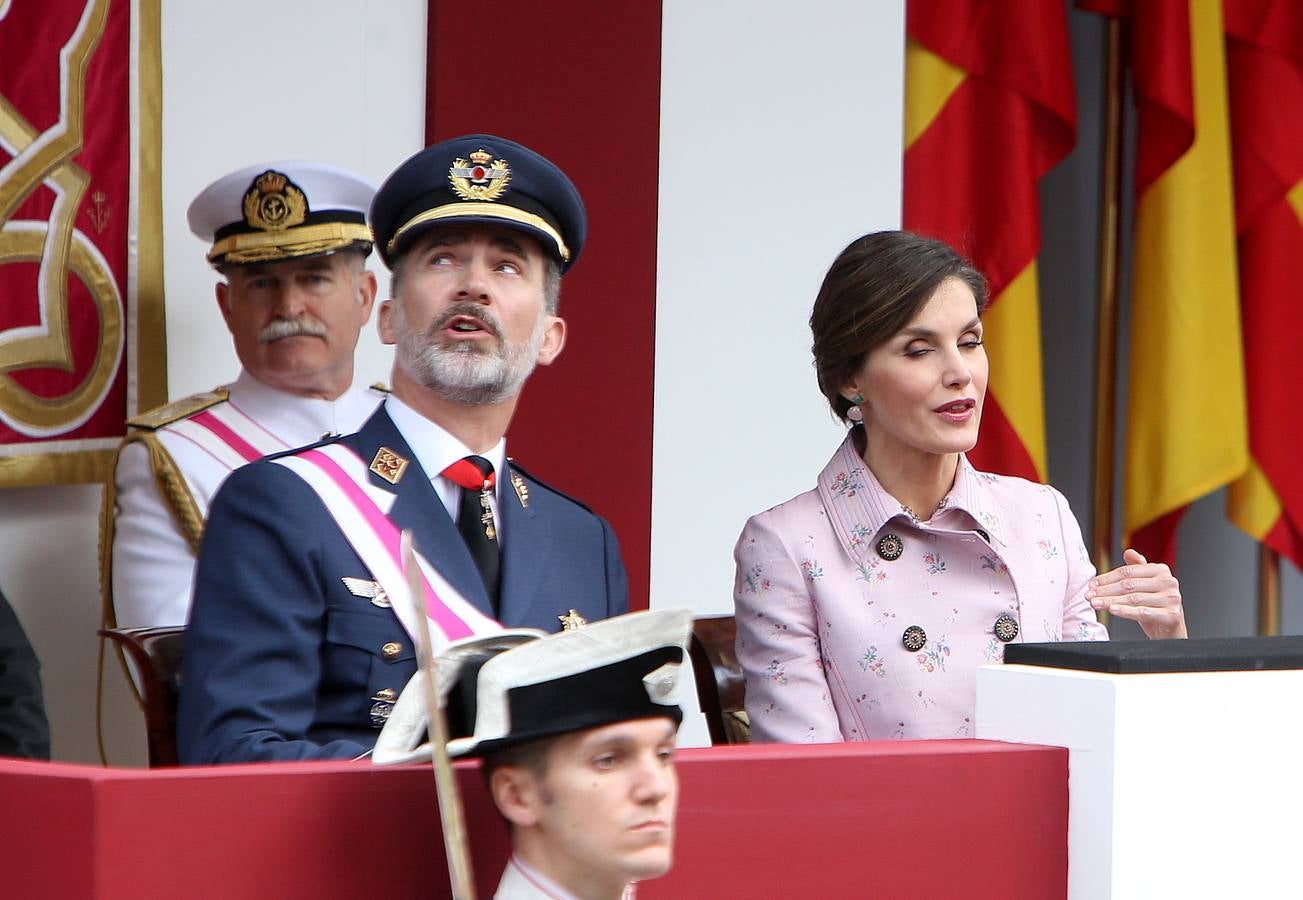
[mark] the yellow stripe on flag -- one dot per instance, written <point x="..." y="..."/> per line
<point x="1187" y="431"/>
<point x="929" y="82"/>
<point x="1012" y="333"/>
<point x="1296" y="200"/>
<point x="1252" y="504"/>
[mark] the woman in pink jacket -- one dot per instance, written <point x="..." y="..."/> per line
<point x="865" y="606"/>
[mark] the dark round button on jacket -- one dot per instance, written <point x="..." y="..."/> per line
<point x="1006" y="627"/>
<point x="890" y="547"/>
<point x="914" y="638"/>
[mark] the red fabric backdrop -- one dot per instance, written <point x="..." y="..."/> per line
<point x="584" y="91"/>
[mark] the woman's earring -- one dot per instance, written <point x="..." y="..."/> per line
<point x="855" y="414"/>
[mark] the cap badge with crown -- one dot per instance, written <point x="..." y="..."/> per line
<point x="480" y="178"/>
<point x="274" y="203"/>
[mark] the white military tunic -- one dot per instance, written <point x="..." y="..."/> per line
<point x="152" y="564"/>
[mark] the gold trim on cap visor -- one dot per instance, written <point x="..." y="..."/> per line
<point x="261" y="245"/>
<point x="485" y="210"/>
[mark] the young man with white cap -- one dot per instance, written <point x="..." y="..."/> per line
<point x="294" y="648"/>
<point x="290" y="240"/>
<point x="577" y="733"/>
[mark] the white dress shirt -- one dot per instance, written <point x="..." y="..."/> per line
<point x="435" y="449"/>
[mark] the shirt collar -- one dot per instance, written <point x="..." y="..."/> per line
<point x="434" y="448"/>
<point x="299" y="420"/>
<point x="536" y="879"/>
<point x="858" y="506"/>
<point x="972" y="494"/>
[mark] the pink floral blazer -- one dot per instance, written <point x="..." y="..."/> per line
<point x="857" y="622"/>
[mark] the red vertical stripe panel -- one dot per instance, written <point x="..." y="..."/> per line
<point x="583" y="90"/>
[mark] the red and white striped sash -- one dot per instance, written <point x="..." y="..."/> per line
<point x="228" y="435"/>
<point x="340" y="478"/>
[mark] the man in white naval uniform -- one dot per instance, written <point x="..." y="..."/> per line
<point x="290" y="239"/>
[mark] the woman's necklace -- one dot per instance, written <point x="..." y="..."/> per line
<point x="914" y="517"/>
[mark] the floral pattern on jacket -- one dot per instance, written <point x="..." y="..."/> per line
<point x="823" y="654"/>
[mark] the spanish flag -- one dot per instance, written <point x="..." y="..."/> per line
<point x="1187" y="433"/>
<point x="989" y="109"/>
<point x="1264" y="56"/>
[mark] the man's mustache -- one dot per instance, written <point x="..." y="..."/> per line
<point x="470" y="310"/>
<point x="304" y="325"/>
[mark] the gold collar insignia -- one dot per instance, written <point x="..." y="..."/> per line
<point x="389" y="465"/>
<point x="522" y="489"/>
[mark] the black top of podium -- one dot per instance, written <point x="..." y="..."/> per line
<point x="1239" y="654"/>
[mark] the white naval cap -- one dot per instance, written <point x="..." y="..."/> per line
<point x="282" y="210"/>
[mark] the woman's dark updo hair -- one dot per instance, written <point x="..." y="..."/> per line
<point x="874" y="288"/>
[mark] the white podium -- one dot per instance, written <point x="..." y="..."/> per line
<point x="1182" y="784"/>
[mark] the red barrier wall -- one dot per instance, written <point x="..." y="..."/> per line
<point x="970" y="819"/>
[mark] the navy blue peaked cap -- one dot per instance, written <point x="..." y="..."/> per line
<point x="479" y="178"/>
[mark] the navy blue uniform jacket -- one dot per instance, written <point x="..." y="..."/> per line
<point x="282" y="661"/>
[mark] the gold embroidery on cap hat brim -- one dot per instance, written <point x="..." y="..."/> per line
<point x="319" y="238"/>
<point x="485" y="210"/>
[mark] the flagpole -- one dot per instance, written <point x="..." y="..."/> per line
<point x="461" y="876"/>
<point x="1110" y="278"/>
<point x="1268" y="590"/>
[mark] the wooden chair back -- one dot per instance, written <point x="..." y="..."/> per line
<point x="155" y="654"/>
<point x="721" y="689"/>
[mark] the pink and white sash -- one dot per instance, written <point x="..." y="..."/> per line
<point x="228" y="435"/>
<point x="340" y="478"/>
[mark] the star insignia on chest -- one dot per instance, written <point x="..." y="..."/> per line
<point x="572" y="621"/>
<point x="369" y="590"/>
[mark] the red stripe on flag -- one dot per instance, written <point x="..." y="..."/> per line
<point x="1156" y="541"/>
<point x="1264" y="56"/>
<point x="1286" y="538"/>
<point x="999" y="449"/>
<point x="970" y="178"/>
<point x="1271" y="271"/>
<point x="1162" y="80"/>
<point x="974" y="186"/>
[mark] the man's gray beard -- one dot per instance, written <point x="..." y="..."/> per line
<point x="467" y="374"/>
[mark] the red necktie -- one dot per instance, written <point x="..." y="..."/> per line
<point x="476" y="477"/>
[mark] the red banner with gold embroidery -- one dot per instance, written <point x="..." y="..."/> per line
<point x="80" y="235"/>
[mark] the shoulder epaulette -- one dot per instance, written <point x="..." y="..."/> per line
<point x="180" y="409"/>
<point x="381" y="388"/>
<point x="517" y="469"/>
